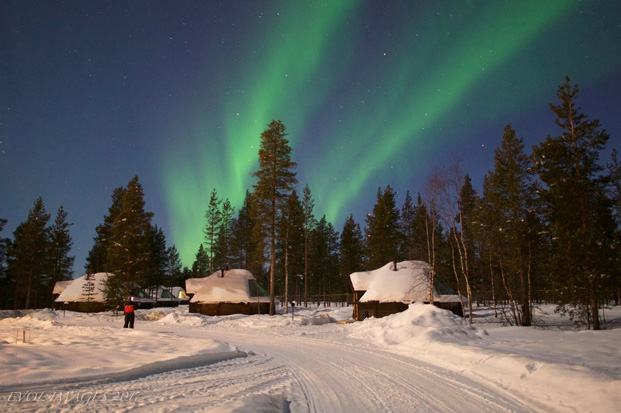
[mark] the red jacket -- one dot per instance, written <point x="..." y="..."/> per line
<point x="129" y="308"/>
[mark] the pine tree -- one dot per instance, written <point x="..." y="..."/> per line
<point x="28" y="262"/>
<point x="383" y="232"/>
<point x="275" y="180"/>
<point x="575" y="206"/>
<point x="213" y="218"/>
<point x="319" y="254"/>
<point x="97" y="259"/>
<point x="291" y="241"/>
<point x="351" y="248"/>
<point x="129" y="250"/>
<point x="336" y="284"/>
<point x="308" y="204"/>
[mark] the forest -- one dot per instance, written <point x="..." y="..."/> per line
<point x="546" y="227"/>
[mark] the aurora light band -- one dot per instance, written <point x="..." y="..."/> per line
<point x="355" y="108"/>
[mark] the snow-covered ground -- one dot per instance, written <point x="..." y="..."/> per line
<point x="424" y="359"/>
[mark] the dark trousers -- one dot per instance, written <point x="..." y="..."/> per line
<point x="129" y="320"/>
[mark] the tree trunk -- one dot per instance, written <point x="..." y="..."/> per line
<point x="287" y="272"/>
<point x="272" y="257"/>
<point x="306" y="267"/>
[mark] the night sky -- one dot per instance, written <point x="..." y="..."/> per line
<point x="371" y="92"/>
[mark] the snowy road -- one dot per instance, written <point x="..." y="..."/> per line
<point x="336" y="378"/>
<point x="284" y="373"/>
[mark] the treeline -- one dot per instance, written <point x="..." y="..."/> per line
<point x="36" y="258"/>
<point x="546" y="226"/>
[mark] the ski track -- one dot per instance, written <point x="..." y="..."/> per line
<point x="286" y="373"/>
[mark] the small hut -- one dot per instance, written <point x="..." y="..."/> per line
<point x="180" y="294"/>
<point x="390" y="289"/>
<point x="227" y="292"/>
<point x="163" y="296"/>
<point x="84" y="294"/>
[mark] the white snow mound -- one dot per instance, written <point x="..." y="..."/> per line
<point x="180" y="319"/>
<point x="419" y="323"/>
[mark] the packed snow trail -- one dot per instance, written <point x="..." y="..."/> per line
<point x="282" y="373"/>
<point x="338" y="378"/>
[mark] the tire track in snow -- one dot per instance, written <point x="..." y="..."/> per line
<point x="229" y="383"/>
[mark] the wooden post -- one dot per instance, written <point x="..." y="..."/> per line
<point x="24" y="337"/>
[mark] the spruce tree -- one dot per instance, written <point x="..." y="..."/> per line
<point x="407" y="219"/>
<point x="60" y="245"/>
<point x="200" y="267"/>
<point x="383" y="232"/>
<point x="174" y="268"/>
<point x="417" y="246"/>
<point x="129" y="250"/>
<point x="275" y="179"/>
<point x="28" y="262"/>
<point x="351" y="248"/>
<point x="575" y="207"/>
<point x="158" y="259"/>
<point x="97" y="259"/>
<point x="241" y="235"/>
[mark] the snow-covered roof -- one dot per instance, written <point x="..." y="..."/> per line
<point x="60" y="286"/>
<point x="410" y="283"/>
<point x="234" y="287"/>
<point x="74" y="292"/>
<point x="361" y="280"/>
<point x="192" y="285"/>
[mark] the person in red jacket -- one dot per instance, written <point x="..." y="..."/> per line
<point x="129" y="314"/>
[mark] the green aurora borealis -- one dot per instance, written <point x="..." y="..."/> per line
<point x="372" y="93"/>
<point x="362" y="91"/>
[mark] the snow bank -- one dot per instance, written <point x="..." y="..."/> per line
<point x="181" y="319"/>
<point x="77" y="345"/>
<point x="439" y="337"/>
<point x="419" y="323"/>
